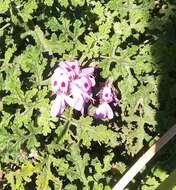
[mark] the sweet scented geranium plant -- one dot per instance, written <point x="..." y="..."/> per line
<point x="135" y="46"/>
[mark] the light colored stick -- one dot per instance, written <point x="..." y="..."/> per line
<point x="123" y="182"/>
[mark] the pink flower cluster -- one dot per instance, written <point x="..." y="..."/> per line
<point x="73" y="87"/>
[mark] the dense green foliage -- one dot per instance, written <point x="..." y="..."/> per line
<point x="131" y="41"/>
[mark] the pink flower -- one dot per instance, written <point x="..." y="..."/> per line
<point x="72" y="85"/>
<point x="107" y="95"/>
<point x="103" y="111"/>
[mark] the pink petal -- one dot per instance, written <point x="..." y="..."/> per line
<point x="59" y="71"/>
<point x="103" y="111"/>
<point x="87" y="71"/>
<point x="109" y="112"/>
<point x="92" y="79"/>
<point x="63" y="83"/>
<point x="83" y="83"/>
<point x="107" y="95"/>
<point x="57" y="78"/>
<point x="54" y="78"/>
<point x="58" y="106"/>
<point x="100" y="112"/>
<point x="77" y="100"/>
<point x="82" y="111"/>
<point x="72" y="67"/>
<point x="63" y="65"/>
<point x="78" y="89"/>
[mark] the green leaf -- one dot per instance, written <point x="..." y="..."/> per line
<point x="17" y="95"/>
<point x="64" y="3"/>
<point x="5" y="5"/>
<point x="27" y="10"/>
<point x="169" y="183"/>
<point x="99" y="133"/>
<point x="48" y="2"/>
<point x="78" y="170"/>
<point x="41" y="40"/>
<point x="45" y="175"/>
<point x="61" y="165"/>
<point x="77" y="2"/>
<point x="5" y="138"/>
<point x="161" y="174"/>
<point x="8" y="55"/>
<point x="52" y="24"/>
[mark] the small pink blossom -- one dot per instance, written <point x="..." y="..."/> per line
<point x="107" y="95"/>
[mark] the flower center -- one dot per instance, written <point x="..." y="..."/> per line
<point x="73" y="67"/>
<point x="55" y="83"/>
<point x="86" y="85"/>
<point x="68" y="69"/>
<point x="63" y="84"/>
<point x="76" y="77"/>
<point x="106" y="95"/>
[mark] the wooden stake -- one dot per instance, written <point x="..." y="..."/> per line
<point x="145" y="158"/>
